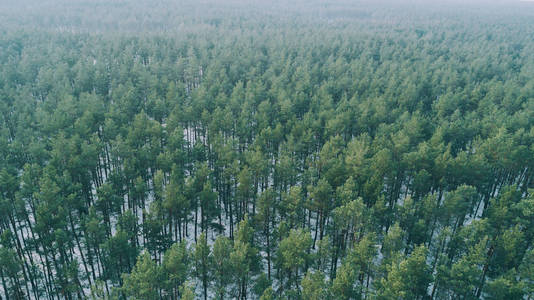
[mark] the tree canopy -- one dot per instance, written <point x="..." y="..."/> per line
<point x="266" y="150"/>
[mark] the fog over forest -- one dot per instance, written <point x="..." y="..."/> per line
<point x="234" y="149"/>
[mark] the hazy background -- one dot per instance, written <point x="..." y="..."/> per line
<point x="168" y="15"/>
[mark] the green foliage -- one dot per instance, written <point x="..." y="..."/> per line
<point x="222" y="267"/>
<point x="267" y="294"/>
<point x="187" y="292"/>
<point x="176" y="267"/>
<point x="143" y="281"/>
<point x="407" y="278"/>
<point x="293" y="256"/>
<point x="202" y="262"/>
<point x="288" y="150"/>
<point x="314" y="286"/>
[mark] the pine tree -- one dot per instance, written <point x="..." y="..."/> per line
<point x="202" y="264"/>
<point x="222" y="268"/>
<point x="144" y="280"/>
<point x="176" y="268"/>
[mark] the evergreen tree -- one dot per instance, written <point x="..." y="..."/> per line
<point x="143" y="282"/>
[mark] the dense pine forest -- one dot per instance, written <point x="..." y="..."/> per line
<point x="265" y="150"/>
